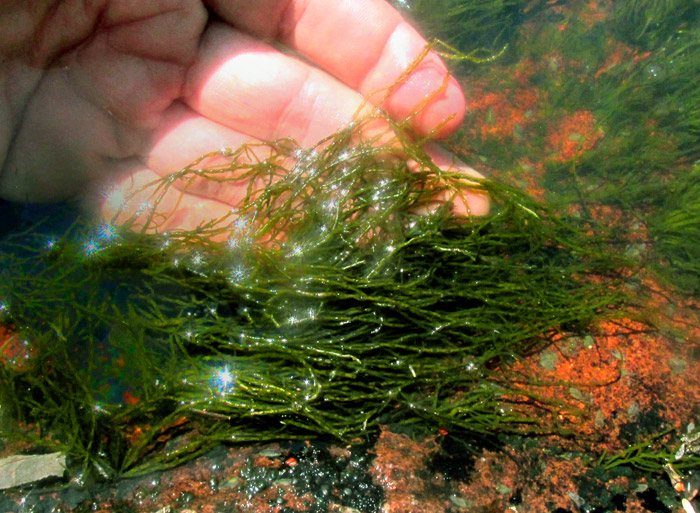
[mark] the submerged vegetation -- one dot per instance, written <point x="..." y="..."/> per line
<point x="325" y="305"/>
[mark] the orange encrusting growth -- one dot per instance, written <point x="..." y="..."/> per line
<point x="14" y="350"/>
<point x="574" y="135"/>
<point x="627" y="368"/>
<point x="498" y="114"/>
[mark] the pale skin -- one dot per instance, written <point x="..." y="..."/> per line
<point x="105" y="95"/>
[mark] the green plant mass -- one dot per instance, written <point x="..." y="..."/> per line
<point x="325" y="305"/>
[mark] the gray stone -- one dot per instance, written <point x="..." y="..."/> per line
<point x="20" y="469"/>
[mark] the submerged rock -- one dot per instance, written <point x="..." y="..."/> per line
<point x="19" y="470"/>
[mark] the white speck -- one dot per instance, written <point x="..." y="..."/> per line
<point x="91" y="247"/>
<point x="143" y="207"/>
<point x="106" y="232"/>
<point x="197" y="259"/>
<point x="223" y="380"/>
<point x="297" y="249"/>
<point x="238" y="273"/>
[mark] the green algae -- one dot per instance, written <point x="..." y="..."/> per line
<point x="355" y="310"/>
<point x="483" y="28"/>
<point x="675" y="231"/>
<point x="633" y="70"/>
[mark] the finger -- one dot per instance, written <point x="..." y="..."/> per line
<point x="130" y="197"/>
<point x="63" y="142"/>
<point x="467" y="201"/>
<point x="364" y="43"/>
<point x="182" y="137"/>
<point x="186" y="208"/>
<point x="249" y="86"/>
<point x="185" y="136"/>
<point x="192" y="201"/>
<point x="237" y="84"/>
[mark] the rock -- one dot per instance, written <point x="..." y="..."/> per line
<point x="22" y="469"/>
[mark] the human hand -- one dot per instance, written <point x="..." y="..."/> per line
<point x="116" y="93"/>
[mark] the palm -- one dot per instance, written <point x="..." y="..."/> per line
<point x="146" y="87"/>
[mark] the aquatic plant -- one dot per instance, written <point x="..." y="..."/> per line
<point x="328" y="303"/>
<point x="675" y="231"/>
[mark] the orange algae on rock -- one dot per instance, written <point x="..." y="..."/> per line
<point x="624" y="382"/>
<point x="499" y="114"/>
<point x="623" y="371"/>
<point x="574" y="135"/>
<point x="501" y="478"/>
<point x="15" y="350"/>
<point x="400" y="468"/>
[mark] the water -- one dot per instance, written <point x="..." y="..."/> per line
<point x="590" y="108"/>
